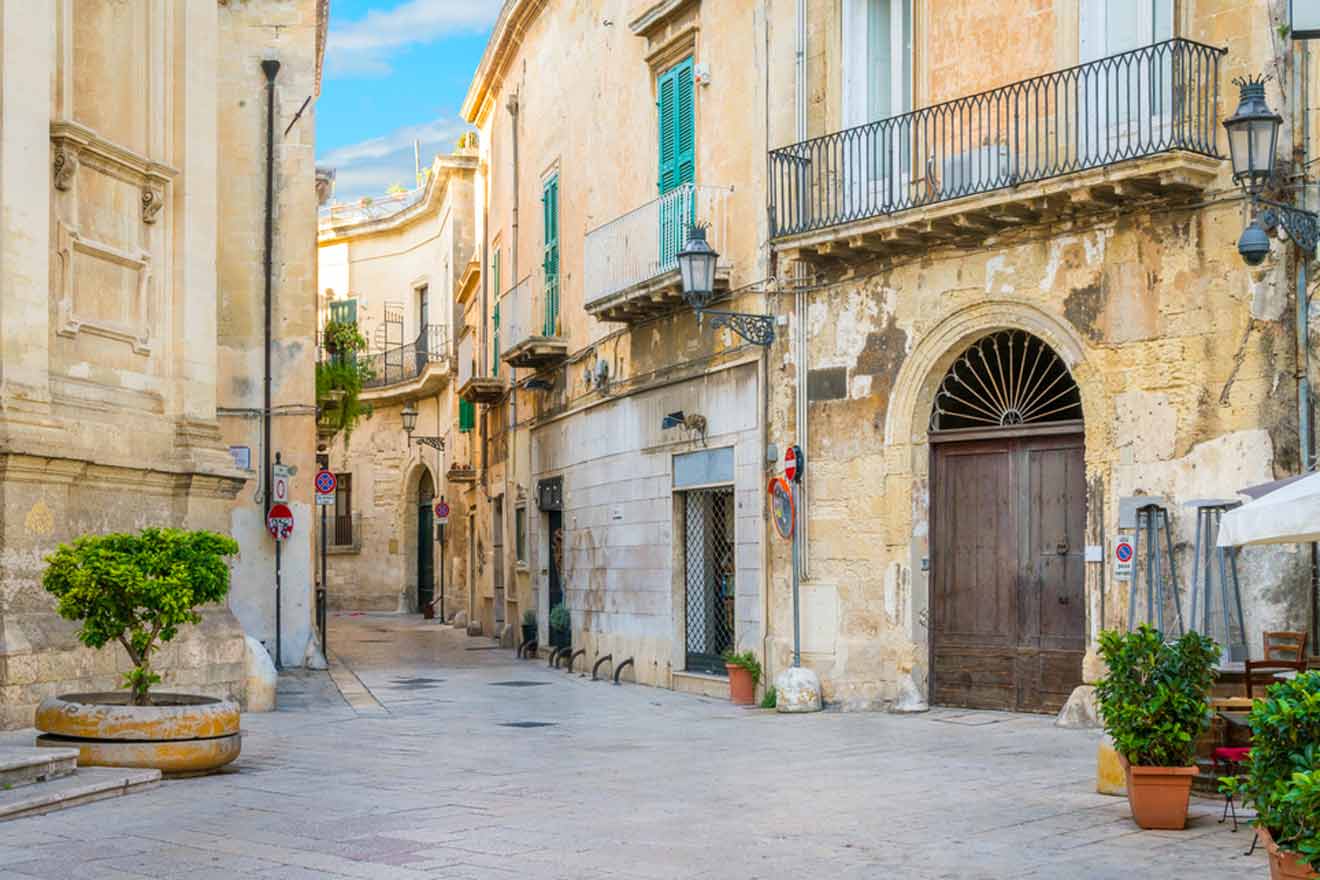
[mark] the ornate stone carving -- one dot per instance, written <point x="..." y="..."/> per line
<point x="66" y="165"/>
<point x="152" y="201"/>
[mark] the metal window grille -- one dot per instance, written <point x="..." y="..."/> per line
<point x="709" y="570"/>
<point x="343" y="509"/>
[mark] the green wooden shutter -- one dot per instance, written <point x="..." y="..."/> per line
<point x="550" y="221"/>
<point x="467" y="415"/>
<point x="677" y="127"/>
<point x="495" y="318"/>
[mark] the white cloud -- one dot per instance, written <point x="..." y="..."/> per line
<point x="368" y="167"/>
<point x="363" y="47"/>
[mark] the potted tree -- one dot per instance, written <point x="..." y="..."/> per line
<point x="528" y="626"/>
<point x="1154" y="704"/>
<point x="744" y="672"/>
<point x="138" y="590"/>
<point x="561" y="627"/>
<point x="340" y="379"/>
<point x="1282" y="779"/>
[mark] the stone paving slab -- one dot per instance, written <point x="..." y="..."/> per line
<point x="409" y="779"/>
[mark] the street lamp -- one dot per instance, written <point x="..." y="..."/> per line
<point x="409" y="416"/>
<point x="1253" y="138"/>
<point x="696" y="267"/>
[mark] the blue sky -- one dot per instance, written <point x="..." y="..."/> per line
<point x="395" y="70"/>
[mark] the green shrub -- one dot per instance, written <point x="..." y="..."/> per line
<point x="138" y="590"/>
<point x="1154" y="699"/>
<point x="1282" y="779"/>
<point x="529" y="617"/>
<point x="344" y="373"/>
<point x="560" y="618"/>
<point x="770" y="699"/>
<point x="747" y="660"/>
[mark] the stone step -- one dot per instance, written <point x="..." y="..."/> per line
<point x="23" y="766"/>
<point x="85" y="785"/>
<point x="713" y="686"/>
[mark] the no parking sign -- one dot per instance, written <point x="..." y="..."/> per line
<point x="1123" y="557"/>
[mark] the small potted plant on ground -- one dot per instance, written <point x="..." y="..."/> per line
<point x="561" y="627"/>
<point x="1154" y="704"/>
<point x="138" y="590"/>
<point x="528" y="626"/>
<point x="744" y="673"/>
<point x="1282" y="778"/>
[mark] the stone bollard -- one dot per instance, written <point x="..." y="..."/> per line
<point x="1110" y="778"/>
<point x="260" y="678"/>
<point x="797" y="690"/>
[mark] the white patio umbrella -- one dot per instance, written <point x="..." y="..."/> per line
<point x="1288" y="515"/>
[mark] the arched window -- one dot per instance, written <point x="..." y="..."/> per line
<point x="1006" y="379"/>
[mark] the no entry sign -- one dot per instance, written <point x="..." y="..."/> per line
<point x="793" y="464"/>
<point x="279" y="521"/>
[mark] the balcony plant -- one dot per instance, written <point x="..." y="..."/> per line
<point x="139" y="590"/>
<point x="340" y="378"/>
<point x="744" y="673"/>
<point x="1282" y="779"/>
<point x="1154" y="704"/>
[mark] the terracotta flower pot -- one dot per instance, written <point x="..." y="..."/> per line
<point x="178" y="733"/>
<point x="742" y="690"/>
<point x="1284" y="864"/>
<point x="1158" y="796"/>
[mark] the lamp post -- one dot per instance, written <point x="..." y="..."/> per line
<point x="409" y="415"/>
<point x="696" y="266"/>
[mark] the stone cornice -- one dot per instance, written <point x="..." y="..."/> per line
<point x="655" y="16"/>
<point x="505" y="39"/>
<point x="437" y="183"/>
<point x="20" y="468"/>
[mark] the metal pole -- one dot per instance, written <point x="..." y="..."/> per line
<point x="442" y="569"/>
<point x="797" y="628"/>
<point x="325" y="592"/>
<point x="270" y="68"/>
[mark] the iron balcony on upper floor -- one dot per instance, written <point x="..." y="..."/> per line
<point x="631" y="262"/>
<point x="475" y="385"/>
<point x="530" y="330"/>
<point x="1138" y="127"/>
<point x="418" y="367"/>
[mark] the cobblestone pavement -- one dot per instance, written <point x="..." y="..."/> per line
<point x="438" y="772"/>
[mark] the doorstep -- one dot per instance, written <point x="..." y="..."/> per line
<point x="84" y="785"/>
<point x="716" y="686"/>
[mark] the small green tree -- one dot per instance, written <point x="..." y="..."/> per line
<point x="138" y="590"/>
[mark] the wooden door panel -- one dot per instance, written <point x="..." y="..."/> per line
<point x="975" y="678"/>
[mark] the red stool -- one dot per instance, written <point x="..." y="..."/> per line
<point x="1232" y="759"/>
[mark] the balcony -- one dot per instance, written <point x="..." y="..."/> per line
<point x="1133" y="129"/>
<point x="418" y="368"/>
<point x="529" y="326"/>
<point x="632" y="261"/>
<point x="473" y="385"/>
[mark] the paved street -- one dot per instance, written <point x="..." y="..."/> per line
<point x="439" y="771"/>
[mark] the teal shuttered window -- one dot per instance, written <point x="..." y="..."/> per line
<point x="550" y="262"/>
<point x="467" y="415"/>
<point x="677" y="143"/>
<point x="495" y="318"/>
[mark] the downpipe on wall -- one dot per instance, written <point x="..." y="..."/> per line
<point x="271" y="68"/>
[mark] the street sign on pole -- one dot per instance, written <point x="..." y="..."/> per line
<point x="794" y="464"/>
<point x="279" y="521"/>
<point x="1124" y="553"/>
<point x="326" y="483"/>
<point x="442" y="512"/>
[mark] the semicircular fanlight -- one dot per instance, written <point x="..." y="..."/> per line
<point x="1005" y="380"/>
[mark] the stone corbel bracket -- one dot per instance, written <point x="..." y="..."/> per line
<point x="77" y="145"/>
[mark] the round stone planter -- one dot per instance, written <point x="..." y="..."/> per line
<point x="178" y="733"/>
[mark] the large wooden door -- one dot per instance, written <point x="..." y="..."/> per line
<point x="1008" y="615"/>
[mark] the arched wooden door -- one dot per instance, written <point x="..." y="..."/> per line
<point x="425" y="542"/>
<point x="1008" y="502"/>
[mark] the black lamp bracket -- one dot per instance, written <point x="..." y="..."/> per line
<point x="436" y="443"/>
<point x="756" y="329"/>
<point x="1302" y="226"/>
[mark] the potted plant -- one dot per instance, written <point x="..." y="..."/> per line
<point x="1154" y="704"/>
<point x="561" y="626"/>
<point x="1282" y="778"/>
<point x="528" y="626"/>
<point x="138" y="590"/>
<point x="744" y="672"/>
<point x="339" y="380"/>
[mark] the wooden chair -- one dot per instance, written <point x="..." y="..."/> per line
<point x="1284" y="651"/>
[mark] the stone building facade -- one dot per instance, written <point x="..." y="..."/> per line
<point x="128" y="249"/>
<point x="961" y="511"/>
<point x="395" y="266"/>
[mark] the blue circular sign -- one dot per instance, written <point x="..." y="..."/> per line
<point x="325" y="482"/>
<point x="1123" y="552"/>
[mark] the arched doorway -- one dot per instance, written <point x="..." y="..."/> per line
<point x="1008" y="515"/>
<point x="425" y="541"/>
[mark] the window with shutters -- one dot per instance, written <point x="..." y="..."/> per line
<point x="344" y="311"/>
<point x="677" y="146"/>
<point x="495" y="317"/>
<point x="550" y="262"/>
<point x="343" y="510"/>
<point x="467" y="415"/>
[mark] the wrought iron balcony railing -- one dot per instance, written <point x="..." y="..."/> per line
<point x="404" y="362"/>
<point x="466" y="358"/>
<point x="644" y="243"/>
<point x="524" y="315"/>
<point x="1140" y="103"/>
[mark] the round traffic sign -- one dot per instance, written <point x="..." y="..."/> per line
<point x="781" y="505"/>
<point x="1123" y="551"/>
<point x="793" y="464"/>
<point x="325" y="482"/>
<point x="442" y="509"/>
<point x="279" y="521"/>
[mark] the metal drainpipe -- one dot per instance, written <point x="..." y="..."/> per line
<point x="271" y="68"/>
<point x="1305" y="427"/>
<point x="511" y="422"/>
<point x="803" y="366"/>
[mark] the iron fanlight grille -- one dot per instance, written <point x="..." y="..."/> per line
<point x="1006" y="379"/>
<point x="708" y="542"/>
